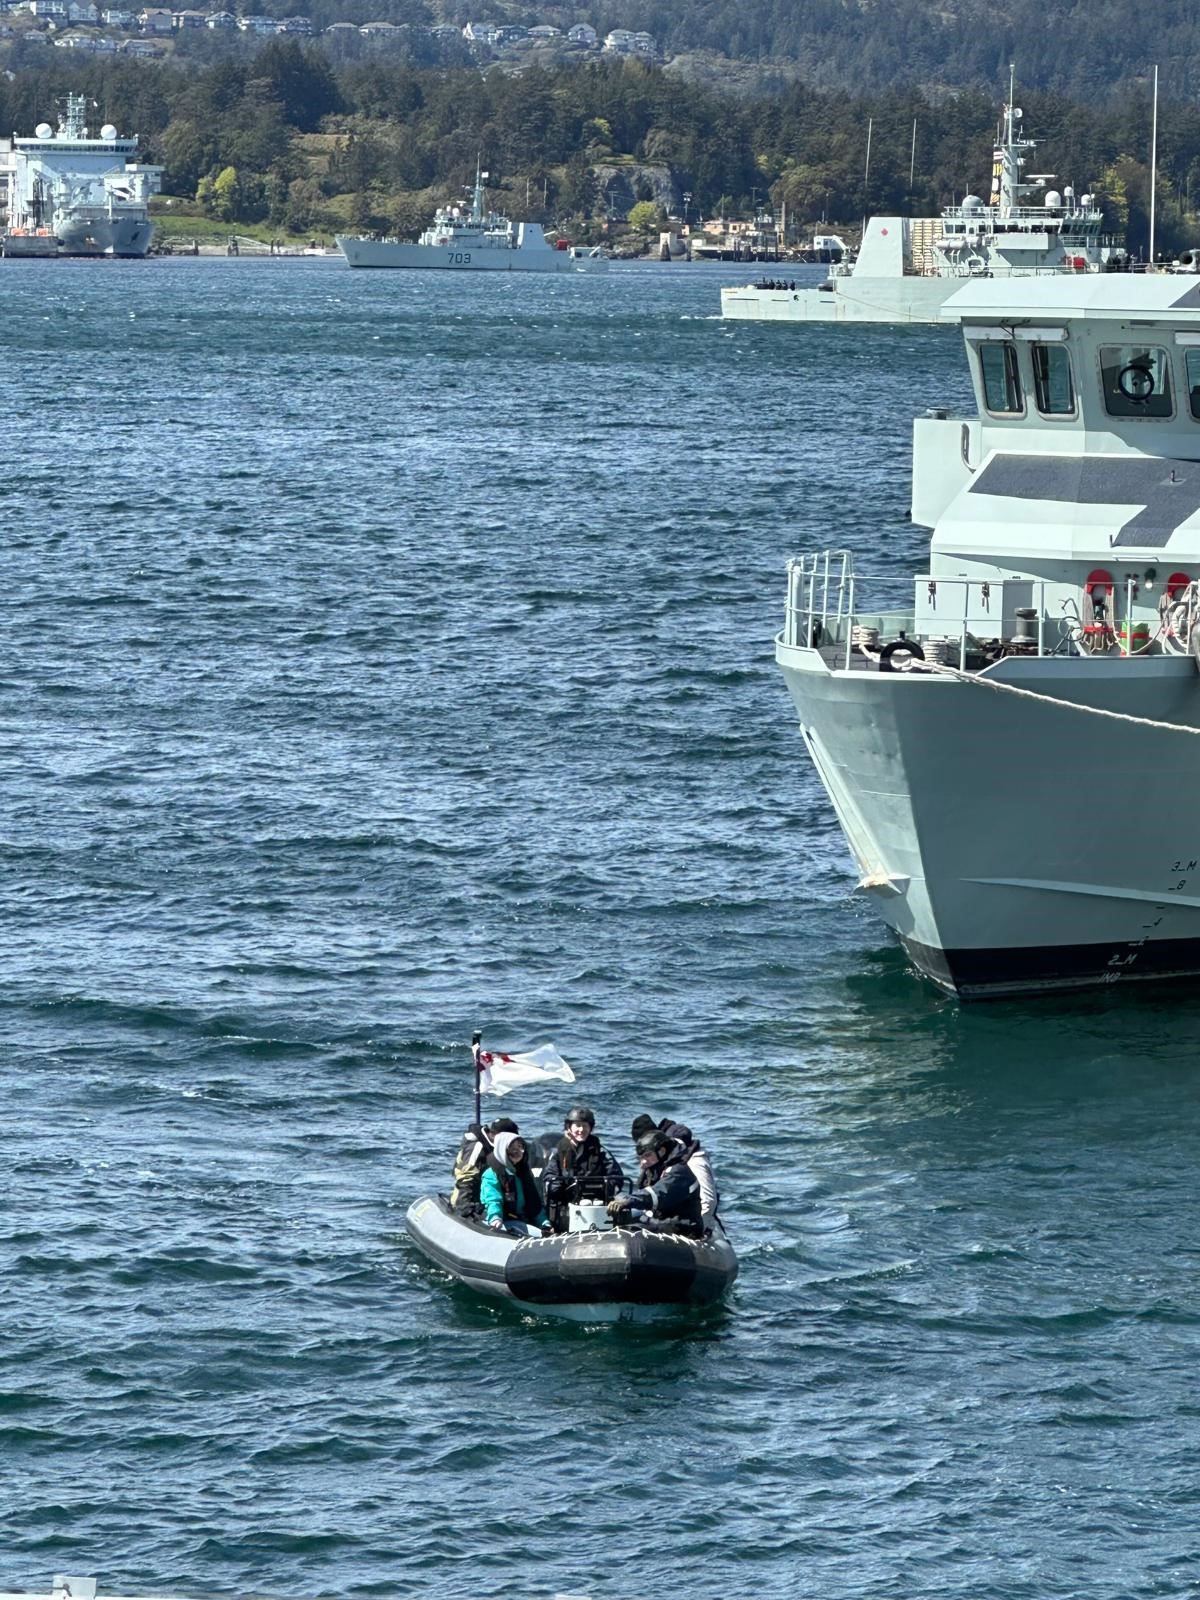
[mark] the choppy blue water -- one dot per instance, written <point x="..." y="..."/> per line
<point x="390" y="655"/>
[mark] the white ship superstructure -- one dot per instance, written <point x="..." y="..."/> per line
<point x="71" y="194"/>
<point x="478" y="240"/>
<point x="1014" y="750"/>
<point x="908" y="267"/>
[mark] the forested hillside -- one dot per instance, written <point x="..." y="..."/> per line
<point x="284" y="138"/>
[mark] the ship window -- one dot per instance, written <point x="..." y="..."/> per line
<point x="1001" y="380"/>
<point x="1052" y="386"/>
<point x="1137" y="380"/>
<point x="1191" y="362"/>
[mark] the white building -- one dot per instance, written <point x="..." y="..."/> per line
<point x="583" y="33"/>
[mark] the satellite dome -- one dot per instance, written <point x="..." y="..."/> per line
<point x="972" y="202"/>
<point x="1068" y="193"/>
<point x="43" y="130"/>
<point x="1053" y="200"/>
<point x="1086" y="201"/>
<point x="108" y="131"/>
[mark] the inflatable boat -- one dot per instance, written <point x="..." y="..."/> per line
<point x="594" y="1273"/>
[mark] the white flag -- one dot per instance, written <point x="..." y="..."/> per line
<point x="500" y="1072"/>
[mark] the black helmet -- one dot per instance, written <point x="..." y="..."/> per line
<point x="502" y="1125"/>
<point x="641" y="1125"/>
<point x="652" y="1141"/>
<point x="580" y="1114"/>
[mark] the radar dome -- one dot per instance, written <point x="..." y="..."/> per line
<point x="971" y="202"/>
<point x="108" y="131"/>
<point x="1068" y="193"/>
<point x="43" y="130"/>
<point x="1053" y="200"/>
<point x="1086" y="201"/>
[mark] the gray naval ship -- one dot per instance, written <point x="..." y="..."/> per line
<point x="70" y="194"/>
<point x="478" y="240"/>
<point x="908" y="267"/>
<point x="1013" y="747"/>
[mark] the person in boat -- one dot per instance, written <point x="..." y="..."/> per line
<point x="579" y="1164"/>
<point x="508" y="1190"/>
<point x="694" y="1154"/>
<point x="472" y="1158"/>
<point x="667" y="1199"/>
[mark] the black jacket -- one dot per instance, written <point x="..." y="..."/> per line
<point x="673" y="1197"/>
<point x="571" y="1164"/>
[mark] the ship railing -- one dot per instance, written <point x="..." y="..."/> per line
<point x="813" y="580"/>
<point x="949" y="616"/>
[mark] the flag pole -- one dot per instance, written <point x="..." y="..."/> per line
<point x="1153" y="168"/>
<point x="476" y="1040"/>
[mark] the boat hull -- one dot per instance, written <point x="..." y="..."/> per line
<point x="436" y="258"/>
<point x="951" y="800"/>
<point x="620" y="1275"/>
<point x="850" y="299"/>
<point x="127" y="237"/>
<point x="121" y="237"/>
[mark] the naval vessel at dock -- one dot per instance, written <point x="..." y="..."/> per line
<point x="72" y="194"/>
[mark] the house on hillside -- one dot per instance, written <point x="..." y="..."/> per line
<point x="481" y="33"/>
<point x="155" y="19"/>
<point x="188" y="19"/>
<point x="583" y="33"/>
<point x="544" y="32"/>
<point x="115" y="17"/>
<point x="299" y="27"/>
<point x="224" y="20"/>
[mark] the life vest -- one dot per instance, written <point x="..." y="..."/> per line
<point x="469" y="1163"/>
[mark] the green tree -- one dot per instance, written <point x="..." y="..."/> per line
<point x="226" y="194"/>
<point x="646" y="217"/>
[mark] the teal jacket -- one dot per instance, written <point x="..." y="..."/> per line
<point x="505" y="1201"/>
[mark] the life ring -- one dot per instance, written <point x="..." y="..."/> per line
<point x="908" y="646"/>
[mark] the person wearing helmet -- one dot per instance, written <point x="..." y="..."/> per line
<point x="696" y="1157"/>
<point x="667" y="1199"/>
<point x="579" y="1164"/>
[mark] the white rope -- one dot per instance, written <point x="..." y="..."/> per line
<point x="1046" y="699"/>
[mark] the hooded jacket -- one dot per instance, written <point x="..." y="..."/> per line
<point x="510" y="1194"/>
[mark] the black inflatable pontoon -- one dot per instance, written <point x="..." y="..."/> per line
<point x="612" y="1275"/>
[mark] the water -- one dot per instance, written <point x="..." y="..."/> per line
<point x="388" y="656"/>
